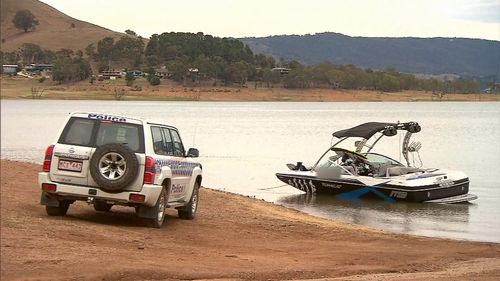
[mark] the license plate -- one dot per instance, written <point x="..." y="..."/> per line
<point x="73" y="166"/>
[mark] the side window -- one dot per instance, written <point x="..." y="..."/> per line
<point x="158" y="144"/>
<point x="178" y="147"/>
<point x="168" y="141"/>
<point x="78" y="132"/>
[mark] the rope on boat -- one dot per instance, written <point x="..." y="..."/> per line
<point x="273" y="187"/>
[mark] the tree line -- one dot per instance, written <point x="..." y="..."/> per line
<point x="225" y="61"/>
<point x="352" y="77"/>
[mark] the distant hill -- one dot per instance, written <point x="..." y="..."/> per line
<point x="464" y="57"/>
<point x="54" y="32"/>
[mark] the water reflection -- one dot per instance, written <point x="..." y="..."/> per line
<point x="404" y="217"/>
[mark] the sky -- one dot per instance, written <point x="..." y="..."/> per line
<point x="261" y="18"/>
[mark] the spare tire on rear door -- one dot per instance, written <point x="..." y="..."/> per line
<point x="113" y="167"/>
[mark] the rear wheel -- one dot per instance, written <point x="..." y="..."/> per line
<point x="159" y="209"/>
<point x="60" y="210"/>
<point x="189" y="211"/>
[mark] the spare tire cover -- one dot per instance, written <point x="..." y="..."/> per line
<point x="113" y="167"/>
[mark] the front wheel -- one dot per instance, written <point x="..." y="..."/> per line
<point x="189" y="211"/>
<point x="60" y="210"/>
<point x="159" y="209"/>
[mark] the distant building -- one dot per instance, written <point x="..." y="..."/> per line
<point x="137" y="73"/>
<point x="281" y="70"/>
<point x="34" y="67"/>
<point x="163" y="72"/>
<point x="109" y="75"/>
<point x="10" y="69"/>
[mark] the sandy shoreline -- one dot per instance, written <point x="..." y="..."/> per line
<point x="233" y="237"/>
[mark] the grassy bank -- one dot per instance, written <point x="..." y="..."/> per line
<point x="21" y="88"/>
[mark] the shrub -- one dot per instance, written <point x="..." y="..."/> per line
<point x="36" y="93"/>
<point x="154" y="80"/>
<point x="129" y="78"/>
<point x="119" y="94"/>
<point x="71" y="69"/>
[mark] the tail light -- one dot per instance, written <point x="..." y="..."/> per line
<point x="49" y="187"/>
<point x="48" y="158"/>
<point x="149" y="171"/>
<point x="139" y="198"/>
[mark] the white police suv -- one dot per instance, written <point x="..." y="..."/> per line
<point x="111" y="160"/>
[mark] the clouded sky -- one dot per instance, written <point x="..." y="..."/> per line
<point x="259" y="18"/>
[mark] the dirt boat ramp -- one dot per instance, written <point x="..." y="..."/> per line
<point x="232" y="238"/>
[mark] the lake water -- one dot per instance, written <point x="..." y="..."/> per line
<point x="242" y="145"/>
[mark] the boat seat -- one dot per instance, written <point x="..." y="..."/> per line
<point x="380" y="169"/>
<point x="398" y="171"/>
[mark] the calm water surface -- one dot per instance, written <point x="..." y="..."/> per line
<point x="244" y="144"/>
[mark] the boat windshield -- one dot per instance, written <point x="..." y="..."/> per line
<point x="376" y="158"/>
<point x="342" y="161"/>
<point x="331" y="161"/>
<point x="330" y="165"/>
<point x="346" y="162"/>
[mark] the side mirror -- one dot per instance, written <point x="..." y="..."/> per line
<point x="193" y="152"/>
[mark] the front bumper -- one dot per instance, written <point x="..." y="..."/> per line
<point x="76" y="192"/>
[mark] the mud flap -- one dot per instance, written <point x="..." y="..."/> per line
<point x="146" y="212"/>
<point x="48" y="200"/>
<point x="150" y="212"/>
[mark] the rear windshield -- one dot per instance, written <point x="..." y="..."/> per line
<point x="93" y="133"/>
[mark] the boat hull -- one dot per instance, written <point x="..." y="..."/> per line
<point x="355" y="189"/>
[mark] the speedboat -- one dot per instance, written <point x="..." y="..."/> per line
<point x="361" y="172"/>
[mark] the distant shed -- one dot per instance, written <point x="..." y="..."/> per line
<point x="281" y="70"/>
<point x="10" y="69"/>
<point x="39" y="67"/>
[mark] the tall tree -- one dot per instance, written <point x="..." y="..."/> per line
<point x="25" y="20"/>
<point x="10" y="57"/>
<point x="105" y="50"/>
<point x="90" y="51"/>
<point x="131" y="49"/>
<point x="30" y="53"/>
